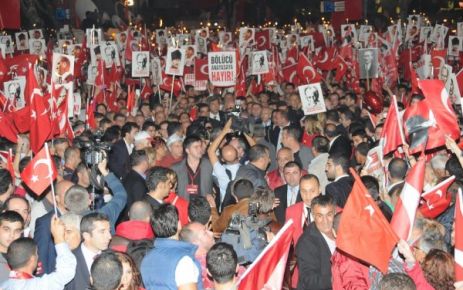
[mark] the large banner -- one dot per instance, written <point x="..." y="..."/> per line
<point x="222" y="68"/>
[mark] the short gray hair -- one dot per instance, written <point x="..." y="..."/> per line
<point x="76" y="199"/>
<point x="71" y="219"/>
<point x="140" y="211"/>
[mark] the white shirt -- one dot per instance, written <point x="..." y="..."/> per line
<point x="334" y="139"/>
<point x="186" y="272"/>
<point x="291" y="195"/>
<point x="339" y="177"/>
<point x="331" y="243"/>
<point x="89" y="256"/>
<point x="214" y="116"/>
<point x="218" y="171"/>
<point x="64" y="273"/>
<point x="304" y="216"/>
<point x="129" y="147"/>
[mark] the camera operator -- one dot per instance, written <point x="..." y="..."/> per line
<point x="72" y="159"/>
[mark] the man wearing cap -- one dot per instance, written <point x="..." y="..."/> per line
<point x="175" y="145"/>
<point x="142" y="140"/>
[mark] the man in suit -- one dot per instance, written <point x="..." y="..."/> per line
<point x="96" y="235"/>
<point x="300" y="212"/>
<point x="119" y="156"/>
<point x="337" y="170"/>
<point x="158" y="185"/>
<point x="397" y="170"/>
<point x="134" y="182"/>
<point x="291" y="139"/>
<point x="280" y="120"/>
<point x="318" y="164"/>
<point x="194" y="173"/>
<point x="316" y="245"/>
<point x="214" y="110"/>
<point x="288" y="194"/>
<point x="259" y="159"/>
<point x="338" y="142"/>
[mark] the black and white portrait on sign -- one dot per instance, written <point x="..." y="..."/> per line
<point x="14" y="92"/>
<point x="6" y="40"/>
<point x="368" y="61"/>
<point x="259" y="62"/>
<point x="140" y="64"/>
<point x="110" y="54"/>
<point x="312" y="99"/>
<point x="175" y="61"/>
<point x="156" y="71"/>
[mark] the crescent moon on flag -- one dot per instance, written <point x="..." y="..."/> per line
<point x="46" y="163"/>
<point x="311" y="70"/>
<point x="203" y="68"/>
<point x="445" y="100"/>
<point x="325" y="57"/>
<point x="263" y="42"/>
<point x="291" y="60"/>
<point x="441" y="59"/>
<point x="62" y="122"/>
<point x="291" y="77"/>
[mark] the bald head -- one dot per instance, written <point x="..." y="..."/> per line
<point x="229" y="154"/>
<point x="140" y="211"/>
<point x="61" y="188"/>
<point x="197" y="234"/>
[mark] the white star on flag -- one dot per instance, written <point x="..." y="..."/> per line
<point x="34" y="178"/>
<point x="33" y="114"/>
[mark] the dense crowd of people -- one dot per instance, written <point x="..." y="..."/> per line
<point x="167" y="186"/>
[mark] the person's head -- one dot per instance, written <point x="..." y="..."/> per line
<point x="131" y="278"/>
<point x="96" y="232"/>
<point x="71" y="223"/>
<point x="60" y="145"/>
<point x="229" y="154"/>
<point x="259" y="156"/>
<point x="438" y="269"/>
<point x="60" y="189"/>
<point x="165" y="221"/>
<point x="149" y="127"/>
<point x="320" y="145"/>
<point x="330" y="131"/>
<point x="323" y="211"/>
<point x="140" y="211"/>
<point x="158" y="182"/>
<point x="83" y="175"/>
<point x="193" y="147"/>
<point x="11" y="228"/>
<point x="128" y="132"/>
<point x="76" y="199"/>
<point x="361" y="153"/>
<point x="20" y="205"/>
<point x="242" y="188"/>
<point x="346" y="117"/>
<point x="222" y="263"/>
<point x="63" y="66"/>
<point x="214" y="104"/>
<point x="429" y="234"/>
<point x="199" y="210"/>
<point x="198" y="234"/>
<point x="368" y="56"/>
<point x="309" y="186"/>
<point x="72" y="157"/>
<point x="175" y="146"/>
<point x="351" y="99"/>
<point x="291" y="136"/>
<point x="22" y="255"/>
<point x="106" y="272"/>
<point x="396" y="281"/>
<point x="119" y="120"/>
<point x="438" y="165"/>
<point x="142" y="140"/>
<point x="6" y="185"/>
<point x="359" y="136"/>
<point x="397" y="169"/>
<point x="336" y="166"/>
<point x="292" y="173"/>
<point x="139" y="161"/>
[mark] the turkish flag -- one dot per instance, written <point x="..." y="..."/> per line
<point x="10" y="17"/>
<point x="291" y="55"/>
<point x="128" y="45"/>
<point x="364" y="232"/>
<point x="438" y="60"/>
<point x="417" y="119"/>
<point x="263" y="40"/>
<point x="268" y="270"/>
<point x="90" y="114"/>
<point x="101" y="79"/>
<point x="7" y="128"/>
<point x="130" y="100"/>
<point x="436" y="200"/>
<point x="324" y="59"/>
<point x="414" y="80"/>
<point x="459" y="78"/>
<point x="392" y="136"/>
<point x="459" y="237"/>
<point x="290" y="74"/>
<point x="167" y="84"/>
<point x="405" y="209"/>
<point x="146" y="90"/>
<point x="240" y="87"/>
<point x="307" y="72"/>
<point x="41" y="125"/>
<point x="22" y="119"/>
<point x="341" y="68"/>
<point x="201" y="69"/>
<point x="40" y="172"/>
<point x="437" y="98"/>
<point x="59" y="110"/>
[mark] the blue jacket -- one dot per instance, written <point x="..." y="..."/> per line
<point x="42" y="235"/>
<point x="158" y="267"/>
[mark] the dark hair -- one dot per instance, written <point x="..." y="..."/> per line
<point x="69" y="152"/>
<point x="199" y="210"/>
<point x="5" y="180"/>
<point x="242" y="188"/>
<point x="321" y="144"/>
<point x="363" y="148"/>
<point x="111" y="134"/>
<point x="87" y="224"/>
<point x="330" y="130"/>
<point x="156" y="175"/>
<point x="341" y="160"/>
<point x="173" y="127"/>
<point x="12" y="217"/>
<point x="127" y="128"/>
<point x="165" y="221"/>
<point x="189" y="140"/>
<point x="20" y="252"/>
<point x="106" y="271"/>
<point x="310" y="176"/>
<point x="453" y="166"/>
<point x="359" y="132"/>
<point x="372" y="185"/>
<point x="221" y="261"/>
<point x="104" y="121"/>
<point x="23" y="163"/>
<point x="323" y="200"/>
<point x="294" y="132"/>
<point x="137" y="157"/>
<point x="292" y="164"/>
<point x="257" y="151"/>
<point x="397" y="168"/>
<point x="147" y="124"/>
<point x="332" y="115"/>
<point x="352" y="95"/>
<point x="396" y="281"/>
<point x="348" y="114"/>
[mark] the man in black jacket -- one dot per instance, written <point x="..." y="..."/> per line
<point x="119" y="156"/>
<point x="316" y="245"/>
<point x="289" y="193"/>
<point x="337" y="170"/>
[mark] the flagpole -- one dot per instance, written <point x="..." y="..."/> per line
<point x="171" y="92"/>
<point x="51" y="179"/>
